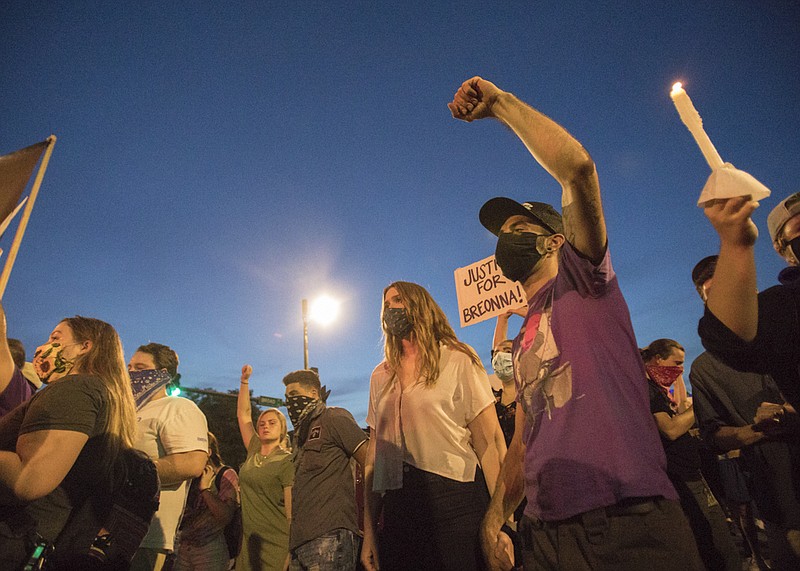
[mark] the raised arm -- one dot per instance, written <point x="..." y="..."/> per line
<point x="733" y="296"/>
<point x="6" y="361"/>
<point x="501" y="326"/>
<point x="244" y="413"/>
<point x="501" y="329"/>
<point x="681" y="397"/>
<point x="559" y="153"/>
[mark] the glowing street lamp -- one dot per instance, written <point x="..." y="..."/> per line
<point x="324" y="311"/>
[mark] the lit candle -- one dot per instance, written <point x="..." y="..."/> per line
<point x="691" y="118"/>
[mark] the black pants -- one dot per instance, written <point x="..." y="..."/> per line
<point x="651" y="535"/>
<point x="433" y="522"/>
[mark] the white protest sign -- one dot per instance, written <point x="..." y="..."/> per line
<point x="483" y="292"/>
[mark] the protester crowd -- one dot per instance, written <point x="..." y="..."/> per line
<point x="589" y="455"/>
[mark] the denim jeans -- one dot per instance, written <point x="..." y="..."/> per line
<point x="334" y="551"/>
<point x="213" y="556"/>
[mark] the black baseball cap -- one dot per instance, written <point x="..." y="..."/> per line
<point x="704" y="270"/>
<point x="496" y="211"/>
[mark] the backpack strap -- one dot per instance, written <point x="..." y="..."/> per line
<point x="218" y="477"/>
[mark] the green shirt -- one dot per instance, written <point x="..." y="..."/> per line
<point x="262" y="480"/>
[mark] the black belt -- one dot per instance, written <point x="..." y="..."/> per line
<point x="628" y="506"/>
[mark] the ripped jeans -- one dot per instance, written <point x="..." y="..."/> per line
<point x="334" y="551"/>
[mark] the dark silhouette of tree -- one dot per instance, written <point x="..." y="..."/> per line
<point x="220" y="411"/>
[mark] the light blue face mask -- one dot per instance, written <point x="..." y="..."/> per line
<point x="503" y="365"/>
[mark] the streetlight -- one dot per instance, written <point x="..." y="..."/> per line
<point x="323" y="310"/>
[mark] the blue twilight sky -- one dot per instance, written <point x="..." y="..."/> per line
<point x="218" y="162"/>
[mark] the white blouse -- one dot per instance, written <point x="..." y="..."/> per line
<point x="427" y="426"/>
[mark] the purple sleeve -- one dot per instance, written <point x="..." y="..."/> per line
<point x="16" y="393"/>
<point x="586" y="278"/>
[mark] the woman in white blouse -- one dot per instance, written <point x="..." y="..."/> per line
<point x="435" y="443"/>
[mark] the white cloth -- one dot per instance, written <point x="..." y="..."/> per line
<point x="729" y="182"/>
<point x="427" y="426"/>
<point x="169" y="425"/>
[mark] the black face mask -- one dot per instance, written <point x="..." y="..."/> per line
<point x="297" y="405"/>
<point x="397" y="321"/>
<point x="794" y="246"/>
<point x="517" y="254"/>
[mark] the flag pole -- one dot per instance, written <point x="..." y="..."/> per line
<point x="26" y="214"/>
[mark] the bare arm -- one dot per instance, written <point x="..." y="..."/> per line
<point x="373" y="503"/>
<point x="175" y="468"/>
<point x="675" y="426"/>
<point x="774" y="419"/>
<point x="733" y="296"/>
<point x="244" y="412"/>
<point x="287" y="502"/>
<point x="734" y="437"/>
<point x="489" y="444"/>
<point x="41" y="463"/>
<point x="6" y="361"/>
<point x="681" y="397"/>
<point x="559" y="153"/>
<point x="508" y="494"/>
<point x="501" y="329"/>
<point x="222" y="510"/>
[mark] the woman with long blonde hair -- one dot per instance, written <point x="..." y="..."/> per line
<point x="61" y="449"/>
<point x="265" y="480"/>
<point x="435" y="442"/>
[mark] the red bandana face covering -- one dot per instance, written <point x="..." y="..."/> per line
<point x="664" y="375"/>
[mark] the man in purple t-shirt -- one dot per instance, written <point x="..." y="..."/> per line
<point x="14" y="388"/>
<point x="585" y="446"/>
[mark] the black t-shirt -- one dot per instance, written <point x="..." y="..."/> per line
<point x="505" y="415"/>
<point x="683" y="454"/>
<point x="775" y="350"/>
<point x="76" y="403"/>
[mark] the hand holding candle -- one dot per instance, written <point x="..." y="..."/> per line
<point x="726" y="181"/>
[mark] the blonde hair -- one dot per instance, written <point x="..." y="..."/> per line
<point x="430" y="328"/>
<point x="106" y="361"/>
<point x="284" y="440"/>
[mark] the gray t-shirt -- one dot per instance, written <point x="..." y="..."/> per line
<point x="323" y="496"/>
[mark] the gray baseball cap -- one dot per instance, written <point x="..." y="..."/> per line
<point x="781" y="214"/>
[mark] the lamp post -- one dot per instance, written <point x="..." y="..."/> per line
<point x="304" y="304"/>
<point x="323" y="310"/>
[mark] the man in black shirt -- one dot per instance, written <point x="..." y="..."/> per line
<point x="704" y="513"/>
